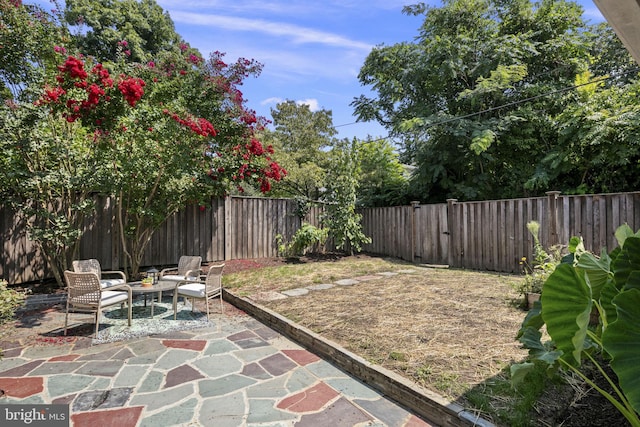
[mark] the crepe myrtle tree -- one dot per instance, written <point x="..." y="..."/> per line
<point x="144" y="134"/>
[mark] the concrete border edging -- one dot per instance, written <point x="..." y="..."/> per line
<point x="425" y="403"/>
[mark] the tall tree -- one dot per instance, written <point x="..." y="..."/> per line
<point x="146" y="27"/>
<point x="383" y="180"/>
<point x="301" y="138"/>
<point x="477" y="95"/>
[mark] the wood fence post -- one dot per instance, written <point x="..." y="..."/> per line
<point x="450" y="227"/>
<point x="553" y="217"/>
<point x="228" y="235"/>
<point x="414" y="205"/>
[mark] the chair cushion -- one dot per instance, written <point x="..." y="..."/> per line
<point x="105" y="283"/>
<point x="195" y="290"/>
<point x="113" y="297"/>
<point x="176" y="278"/>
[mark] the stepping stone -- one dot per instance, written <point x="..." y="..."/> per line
<point x="388" y="273"/>
<point x="365" y="278"/>
<point x="320" y="287"/>
<point x="347" y="282"/>
<point x="268" y="296"/>
<point x="410" y="271"/>
<point x="296" y="292"/>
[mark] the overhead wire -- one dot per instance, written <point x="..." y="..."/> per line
<point x="511" y="104"/>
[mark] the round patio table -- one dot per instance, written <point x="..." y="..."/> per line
<point x="138" y="289"/>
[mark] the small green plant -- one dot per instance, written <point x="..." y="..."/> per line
<point x="305" y="240"/>
<point x="543" y="264"/>
<point x="10" y="300"/>
<point x="583" y="284"/>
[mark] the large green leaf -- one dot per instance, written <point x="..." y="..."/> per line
<point x="567" y="303"/>
<point x="622" y="341"/>
<point x="622" y="233"/>
<point x="627" y="261"/>
<point x="597" y="269"/>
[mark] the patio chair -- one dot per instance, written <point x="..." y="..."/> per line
<point x="93" y="266"/>
<point x="188" y="269"/>
<point x="86" y="294"/>
<point x="207" y="288"/>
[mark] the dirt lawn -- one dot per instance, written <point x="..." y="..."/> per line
<point x="446" y="330"/>
<point x="451" y="331"/>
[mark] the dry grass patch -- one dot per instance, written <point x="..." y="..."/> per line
<point x="448" y="330"/>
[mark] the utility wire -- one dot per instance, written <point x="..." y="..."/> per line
<point x="511" y="104"/>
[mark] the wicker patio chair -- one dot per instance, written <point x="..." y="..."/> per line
<point x="188" y="269"/>
<point x="86" y="294"/>
<point x="208" y="287"/>
<point x="93" y="266"/>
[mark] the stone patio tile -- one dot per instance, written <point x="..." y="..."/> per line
<point x="263" y="411"/>
<point x="353" y="388"/>
<point x="119" y="417"/>
<point x="301" y="357"/>
<point x="269" y="389"/>
<point x="218" y="366"/>
<point x="341" y="410"/>
<point x="21" y="369"/>
<point x="148" y="358"/>
<point x="196" y="345"/>
<point x="253" y="370"/>
<point x="140" y="348"/>
<point x="12" y="352"/>
<point x="300" y="379"/>
<point x="60" y="385"/>
<point x="103" y="355"/>
<point x="130" y="375"/>
<point x="65" y="358"/>
<point x="310" y="400"/>
<point x="242" y="335"/>
<point x="174" y="358"/>
<point x="52" y="368"/>
<point x="152" y="382"/>
<point x="266" y="333"/>
<point x="277" y="364"/>
<point x="226" y="411"/>
<point x="389" y="413"/>
<point x="163" y="399"/>
<point x="105" y="368"/>
<point x="181" y="414"/>
<point x="347" y="282"/>
<point x="224" y="385"/>
<point x="22" y="387"/>
<point x="180" y="375"/>
<point x="323" y="369"/>
<point x="255" y="354"/>
<point x="414" y="421"/>
<point x="46" y="351"/>
<point x="251" y="343"/>
<point x="219" y="347"/>
<point x="101" y="399"/>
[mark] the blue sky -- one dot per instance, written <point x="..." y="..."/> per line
<point x="312" y="50"/>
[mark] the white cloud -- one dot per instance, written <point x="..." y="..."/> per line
<point x="272" y="100"/>
<point x="295" y="33"/>
<point x="312" y="103"/>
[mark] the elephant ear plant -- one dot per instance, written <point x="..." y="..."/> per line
<point x="583" y="288"/>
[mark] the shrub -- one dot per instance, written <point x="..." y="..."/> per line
<point x="303" y="241"/>
<point x="10" y="300"/>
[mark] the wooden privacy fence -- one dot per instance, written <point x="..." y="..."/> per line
<point x="230" y="228"/>
<point x="493" y="235"/>
<point x="487" y="235"/>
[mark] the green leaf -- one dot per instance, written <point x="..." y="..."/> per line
<point x="627" y="261"/>
<point x="567" y="305"/>
<point x="519" y="371"/>
<point x="597" y="269"/>
<point x="622" y="233"/>
<point x="622" y="341"/>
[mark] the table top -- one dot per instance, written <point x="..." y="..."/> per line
<point x="136" y="287"/>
